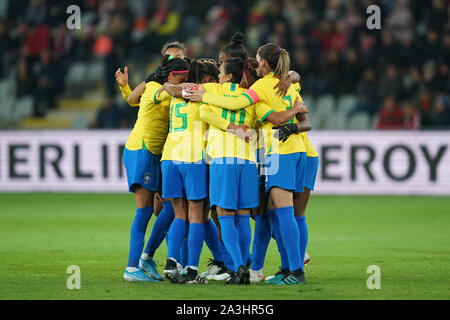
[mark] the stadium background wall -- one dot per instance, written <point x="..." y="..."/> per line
<point x="351" y="162"/>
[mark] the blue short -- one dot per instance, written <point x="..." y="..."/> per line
<point x="233" y="184"/>
<point x="286" y="171"/>
<point x="143" y="168"/>
<point x="311" y="168"/>
<point x="184" y="179"/>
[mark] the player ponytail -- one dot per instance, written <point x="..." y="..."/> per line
<point x="277" y="58"/>
<point x="242" y="72"/>
<point x="236" y="49"/>
<point x="249" y="73"/>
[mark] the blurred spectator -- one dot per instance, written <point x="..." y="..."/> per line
<point x="5" y="45"/>
<point x="390" y="83"/>
<point x="366" y="94"/>
<point x="48" y="83"/>
<point x="411" y="119"/>
<point x="440" y="113"/>
<point x="37" y="39"/>
<point x="24" y="79"/>
<point x="108" y="116"/>
<point x="390" y="115"/>
<point x="328" y="41"/>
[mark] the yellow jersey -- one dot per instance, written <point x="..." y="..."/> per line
<point x="186" y="139"/>
<point x="262" y="91"/>
<point x="310" y="151"/>
<point x="223" y="144"/>
<point x="152" y="124"/>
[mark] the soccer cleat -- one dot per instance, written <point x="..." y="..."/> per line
<point x="296" y="277"/>
<point x="256" y="276"/>
<point x="171" y="270"/>
<point x="193" y="278"/>
<point x="280" y="275"/>
<point x="137" y="276"/>
<point x="233" y="279"/>
<point x="149" y="266"/>
<point x="217" y="271"/>
<point x="307" y="259"/>
<point x="242" y="276"/>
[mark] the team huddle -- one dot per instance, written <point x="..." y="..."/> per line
<point x="214" y="145"/>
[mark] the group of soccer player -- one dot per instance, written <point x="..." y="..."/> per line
<point x="224" y="142"/>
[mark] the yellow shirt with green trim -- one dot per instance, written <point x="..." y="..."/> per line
<point x="310" y="151"/>
<point x="223" y="144"/>
<point x="152" y="124"/>
<point x="186" y="139"/>
<point x="262" y="91"/>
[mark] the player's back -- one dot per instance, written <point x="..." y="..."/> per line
<point x="185" y="141"/>
<point x="151" y="127"/>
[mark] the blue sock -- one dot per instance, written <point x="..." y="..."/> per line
<point x="226" y="257"/>
<point x="261" y="241"/>
<point x="230" y="238"/>
<point x="303" y="230"/>
<point x="195" y="243"/>
<point x="137" y="235"/>
<point x="175" y="238"/>
<point x="184" y="250"/>
<point x="279" y="240"/>
<point x="212" y="240"/>
<point x="290" y="235"/>
<point x="242" y="222"/>
<point x="160" y="228"/>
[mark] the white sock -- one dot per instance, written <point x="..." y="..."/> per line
<point x="145" y="256"/>
<point x="132" y="269"/>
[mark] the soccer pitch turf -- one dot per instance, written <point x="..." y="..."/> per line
<point x="407" y="237"/>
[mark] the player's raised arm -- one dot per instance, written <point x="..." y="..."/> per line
<point x="122" y="81"/>
<point x="134" y="97"/>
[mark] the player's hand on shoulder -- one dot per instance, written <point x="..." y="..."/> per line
<point x="281" y="88"/>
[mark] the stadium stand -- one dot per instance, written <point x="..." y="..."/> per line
<point x="53" y="77"/>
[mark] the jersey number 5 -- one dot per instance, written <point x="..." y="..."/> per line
<point x="178" y="114"/>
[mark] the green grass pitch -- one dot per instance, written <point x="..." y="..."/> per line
<point x="407" y="237"/>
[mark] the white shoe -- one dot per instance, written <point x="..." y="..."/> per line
<point x="256" y="276"/>
<point x="217" y="271"/>
<point x="307" y="259"/>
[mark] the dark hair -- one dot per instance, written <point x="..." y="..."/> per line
<point x="173" y="44"/>
<point x="198" y="70"/>
<point x="235" y="49"/>
<point x="176" y="64"/>
<point x="243" y="72"/>
<point x="276" y="57"/>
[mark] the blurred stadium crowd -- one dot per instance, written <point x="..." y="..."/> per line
<point x="351" y="77"/>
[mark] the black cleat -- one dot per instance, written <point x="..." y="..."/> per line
<point x="192" y="277"/>
<point x="242" y="276"/>
<point x="296" y="277"/>
<point x="233" y="279"/>
<point x="170" y="270"/>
